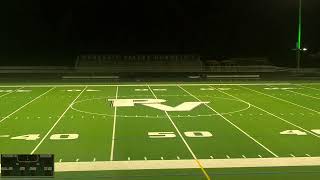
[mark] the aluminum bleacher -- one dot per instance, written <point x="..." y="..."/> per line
<point x="139" y="63"/>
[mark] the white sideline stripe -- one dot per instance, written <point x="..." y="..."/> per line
<point x="26" y="104"/>
<point x="288" y="122"/>
<point x="302" y="94"/>
<point x="185" y="164"/>
<point x="281" y="99"/>
<point x="62" y="115"/>
<point x="264" y="147"/>
<point x="10" y="92"/>
<point x="308" y="87"/>
<point x="183" y="139"/>
<point x="107" y="85"/>
<point x="114" y="127"/>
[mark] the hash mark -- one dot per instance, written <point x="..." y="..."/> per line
<point x="211" y="157"/>
<point x="292" y="155"/>
<point x="77" y="160"/>
<point x="228" y="157"/>
<point x="129" y="159"/>
<point x="161" y="158"/>
<point x="178" y="157"/>
<point x="60" y="160"/>
<point x="94" y="159"/>
<point x="308" y="155"/>
<point x="145" y="158"/>
<point x="260" y="156"/>
<point x="244" y="156"/>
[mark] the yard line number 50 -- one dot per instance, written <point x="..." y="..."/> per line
<point x="191" y="134"/>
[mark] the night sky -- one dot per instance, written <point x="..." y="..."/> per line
<point x="224" y="28"/>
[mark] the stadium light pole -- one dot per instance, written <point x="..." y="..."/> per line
<point x="298" y="45"/>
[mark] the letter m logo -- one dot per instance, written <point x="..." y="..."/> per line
<point x="156" y="104"/>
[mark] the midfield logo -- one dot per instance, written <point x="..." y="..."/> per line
<point x="155" y="103"/>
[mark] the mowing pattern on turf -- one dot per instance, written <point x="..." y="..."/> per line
<point x="161" y="122"/>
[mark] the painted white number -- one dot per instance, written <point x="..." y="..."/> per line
<point x="317" y="131"/>
<point x="294" y="132"/>
<point x="161" y="134"/>
<point x="27" y="137"/>
<point x="198" y="134"/>
<point x="64" y="136"/>
<point x="141" y="89"/>
<point x="206" y="89"/>
<point x="33" y="137"/>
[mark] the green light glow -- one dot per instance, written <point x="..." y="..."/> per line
<point x="300" y="25"/>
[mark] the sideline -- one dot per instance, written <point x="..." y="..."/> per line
<point x="143" y="84"/>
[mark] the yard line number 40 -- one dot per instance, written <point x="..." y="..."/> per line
<point x="298" y="132"/>
<point x="33" y="137"/>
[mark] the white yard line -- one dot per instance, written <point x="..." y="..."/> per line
<point x="143" y="84"/>
<point x="186" y="164"/>
<point x="26" y="104"/>
<point x="183" y="139"/>
<point x="10" y="92"/>
<point x="281" y="99"/>
<point x="114" y="127"/>
<point x="245" y="133"/>
<point x="54" y="125"/>
<point x="288" y="122"/>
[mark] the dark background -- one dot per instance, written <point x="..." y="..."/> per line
<point x="53" y="32"/>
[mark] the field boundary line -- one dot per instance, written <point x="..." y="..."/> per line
<point x="54" y="125"/>
<point x="114" y="127"/>
<point x="282" y="119"/>
<point x="186" y="164"/>
<point x="185" y="142"/>
<point x="234" y="125"/>
<point x="302" y="94"/>
<point x="26" y="104"/>
<point x="11" y="92"/>
<point x="281" y="99"/>
<point x="143" y="84"/>
<point x="307" y="87"/>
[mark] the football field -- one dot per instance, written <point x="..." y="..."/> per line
<point x="149" y="127"/>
